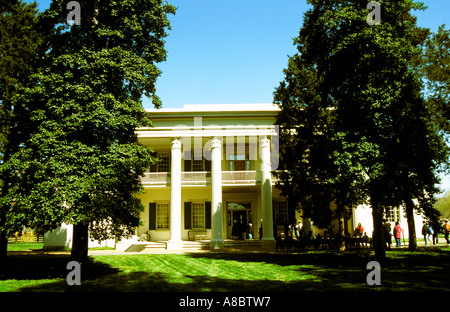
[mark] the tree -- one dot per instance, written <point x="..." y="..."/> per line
<point x="81" y="162"/>
<point x="417" y="157"/>
<point x="435" y="67"/>
<point x="361" y="76"/>
<point x="19" y="43"/>
<point x="310" y="177"/>
<point x="443" y="205"/>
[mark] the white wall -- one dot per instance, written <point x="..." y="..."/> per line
<point x="363" y="215"/>
<point x="59" y="238"/>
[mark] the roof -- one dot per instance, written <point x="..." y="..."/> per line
<point x="217" y="108"/>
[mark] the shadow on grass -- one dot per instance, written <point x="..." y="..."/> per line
<point x="100" y="277"/>
<point x="39" y="266"/>
<point x="424" y="270"/>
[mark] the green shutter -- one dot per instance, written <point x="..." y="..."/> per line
<point x="208" y="215"/>
<point x="187" y="215"/>
<point x="153" y="167"/>
<point x="152" y="216"/>
<point x="187" y="161"/>
<point x="207" y="160"/>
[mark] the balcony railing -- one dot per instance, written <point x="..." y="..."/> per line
<point x="240" y="176"/>
<point x="195" y="176"/>
<point x="200" y="177"/>
<point x="156" y="178"/>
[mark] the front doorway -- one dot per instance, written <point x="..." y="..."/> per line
<point x="239" y="218"/>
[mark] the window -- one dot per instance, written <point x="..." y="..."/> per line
<point x="281" y="212"/>
<point x="392" y="214"/>
<point x="198" y="215"/>
<point x="164" y="162"/>
<point x="162" y="216"/>
<point x="197" y="163"/>
<point x="239" y="163"/>
<point x="239" y="156"/>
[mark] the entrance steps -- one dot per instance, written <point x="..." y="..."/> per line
<point x="243" y="245"/>
<point x="155" y="246"/>
<point x="196" y="245"/>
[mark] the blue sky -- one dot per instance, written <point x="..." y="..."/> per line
<point x="234" y="51"/>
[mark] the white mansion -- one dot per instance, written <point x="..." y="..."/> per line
<point x="215" y="173"/>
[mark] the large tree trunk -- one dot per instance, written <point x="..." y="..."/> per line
<point x="412" y="245"/>
<point x="343" y="229"/>
<point x="80" y="242"/>
<point x="3" y="245"/>
<point x="378" y="230"/>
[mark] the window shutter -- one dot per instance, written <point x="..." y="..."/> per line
<point x="187" y="215"/>
<point x="152" y="217"/>
<point x="207" y="160"/>
<point x="187" y="161"/>
<point x="208" y="215"/>
<point x="153" y="167"/>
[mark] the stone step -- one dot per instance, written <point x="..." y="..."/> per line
<point x="153" y="245"/>
<point x="193" y="245"/>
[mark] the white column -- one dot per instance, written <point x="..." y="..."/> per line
<point x="216" y="194"/>
<point x="266" y="191"/>
<point x="175" y="197"/>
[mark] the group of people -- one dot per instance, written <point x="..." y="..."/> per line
<point x="430" y="232"/>
<point x="388" y="233"/>
<point x="241" y="230"/>
<point x="294" y="229"/>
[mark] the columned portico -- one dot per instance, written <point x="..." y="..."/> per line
<point x="266" y="191"/>
<point x="216" y="194"/>
<point x="175" y="196"/>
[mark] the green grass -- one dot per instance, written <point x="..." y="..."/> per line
<point x="424" y="270"/>
<point x="25" y="246"/>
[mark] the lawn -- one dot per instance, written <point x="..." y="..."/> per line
<point x="25" y="246"/>
<point x="424" y="270"/>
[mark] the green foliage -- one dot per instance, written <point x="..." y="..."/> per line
<point x="19" y="43"/>
<point x="362" y="129"/>
<point x="443" y="205"/>
<point x="435" y="66"/>
<point x="80" y="161"/>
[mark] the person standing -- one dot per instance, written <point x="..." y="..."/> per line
<point x="359" y="231"/>
<point x="446" y="231"/>
<point x="430" y="234"/>
<point x="387" y="232"/>
<point x="398" y="234"/>
<point x="425" y="232"/>
<point x="436" y="227"/>
<point x="298" y="228"/>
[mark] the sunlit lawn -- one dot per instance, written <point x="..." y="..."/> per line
<point x="425" y="270"/>
<point x="24" y="246"/>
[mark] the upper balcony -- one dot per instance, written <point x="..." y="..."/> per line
<point x="251" y="177"/>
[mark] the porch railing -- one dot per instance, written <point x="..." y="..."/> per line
<point x="251" y="176"/>
<point x="156" y="177"/>
<point x="195" y="176"/>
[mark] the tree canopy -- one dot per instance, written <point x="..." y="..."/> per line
<point x="435" y="67"/>
<point x="361" y="126"/>
<point x="19" y="43"/>
<point x="443" y="205"/>
<point x="80" y="162"/>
